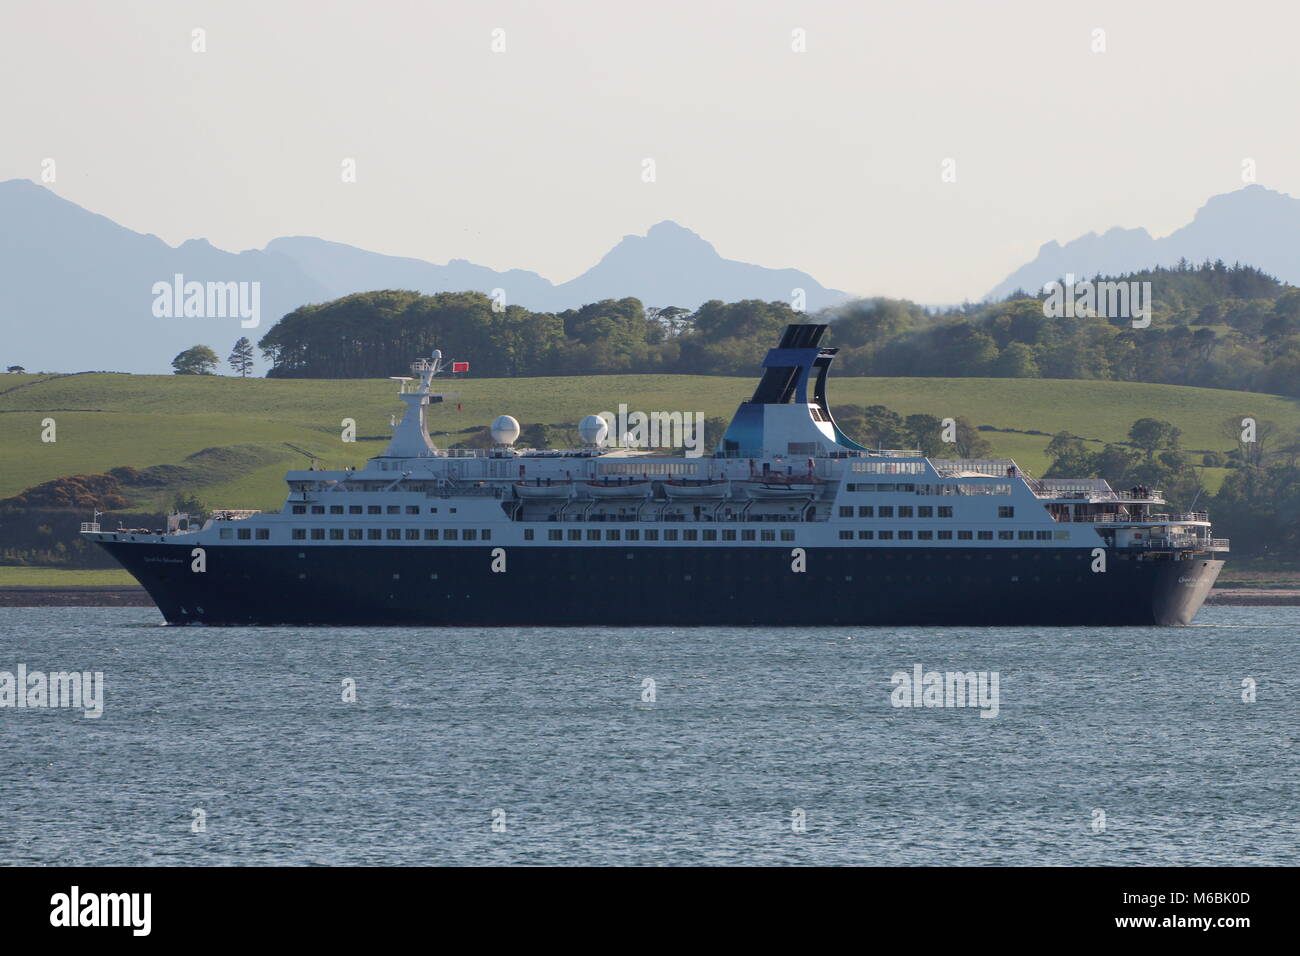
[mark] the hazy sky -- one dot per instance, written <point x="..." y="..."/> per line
<point x="827" y="160"/>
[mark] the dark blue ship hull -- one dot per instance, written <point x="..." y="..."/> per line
<point x="664" y="586"/>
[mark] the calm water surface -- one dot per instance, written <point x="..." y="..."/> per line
<point x="747" y="725"/>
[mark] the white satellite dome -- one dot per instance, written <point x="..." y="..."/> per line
<point x="593" y="430"/>
<point x="504" y="430"/>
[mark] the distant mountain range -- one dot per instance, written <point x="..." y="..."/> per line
<point x="77" y="290"/>
<point x="1253" y="226"/>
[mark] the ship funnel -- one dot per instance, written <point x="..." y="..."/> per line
<point x="782" y="418"/>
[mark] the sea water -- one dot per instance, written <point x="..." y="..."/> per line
<point x="651" y="746"/>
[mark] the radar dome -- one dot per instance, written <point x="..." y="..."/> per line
<point x="593" y="430"/>
<point x="504" y="430"/>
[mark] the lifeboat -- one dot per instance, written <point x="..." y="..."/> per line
<point x="618" y="488"/>
<point x="544" y="488"/>
<point x="783" y="486"/>
<point x="697" y="489"/>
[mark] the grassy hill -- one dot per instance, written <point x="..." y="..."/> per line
<point x="228" y="435"/>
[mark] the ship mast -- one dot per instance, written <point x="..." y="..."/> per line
<point x="410" y="436"/>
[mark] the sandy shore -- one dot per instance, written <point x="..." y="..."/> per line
<point x="1284" y="596"/>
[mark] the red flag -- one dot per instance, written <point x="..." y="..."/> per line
<point x="460" y="366"/>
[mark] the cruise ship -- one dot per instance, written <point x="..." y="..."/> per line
<point x="788" y="522"/>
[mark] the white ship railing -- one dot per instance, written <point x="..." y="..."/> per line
<point x="1111" y="517"/>
<point x="1182" y="541"/>
<point x="995" y="467"/>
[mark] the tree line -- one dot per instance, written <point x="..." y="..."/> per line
<point x="1212" y="325"/>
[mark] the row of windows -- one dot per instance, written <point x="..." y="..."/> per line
<point x="959" y="488"/>
<point x="552" y="534"/>
<point x="649" y="468"/>
<point x="889" y="467"/>
<point x="367" y="509"/>
<point x="385" y="534"/>
<point x="910" y="511"/>
<point x="961" y="535"/>
<point x="246" y="534"/>
<point x="901" y="511"/>
<point x="669" y="534"/>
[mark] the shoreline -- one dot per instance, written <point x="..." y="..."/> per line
<point x="117" y="595"/>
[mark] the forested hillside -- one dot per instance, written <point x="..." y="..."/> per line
<point x="1212" y="325"/>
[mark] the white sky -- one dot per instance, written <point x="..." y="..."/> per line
<point x="827" y="161"/>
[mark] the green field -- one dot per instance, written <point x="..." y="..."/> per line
<point x="62" y="577"/>
<point x="104" y="420"/>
